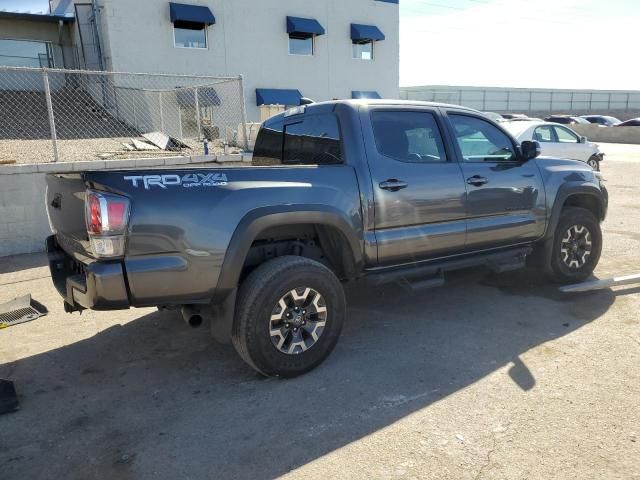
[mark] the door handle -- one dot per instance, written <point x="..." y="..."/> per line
<point x="477" y="180"/>
<point x="393" y="185"/>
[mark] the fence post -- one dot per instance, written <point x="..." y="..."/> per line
<point x="626" y="108"/>
<point x="161" y="114"/>
<point x="197" y="105"/>
<point x="244" y="115"/>
<point x="52" y="123"/>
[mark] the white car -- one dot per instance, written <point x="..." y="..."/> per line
<point x="557" y="141"/>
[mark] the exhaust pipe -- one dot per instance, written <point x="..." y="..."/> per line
<point x="192" y="316"/>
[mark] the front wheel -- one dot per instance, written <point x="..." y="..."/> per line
<point x="594" y="163"/>
<point x="577" y="244"/>
<point x="289" y="315"/>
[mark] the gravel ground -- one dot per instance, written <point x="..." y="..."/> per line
<point x="41" y="151"/>
<point x="488" y="377"/>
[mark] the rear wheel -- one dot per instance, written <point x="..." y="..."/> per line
<point x="289" y="315"/>
<point x="594" y="163"/>
<point x="577" y="245"/>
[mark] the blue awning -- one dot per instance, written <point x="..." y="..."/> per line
<point x="207" y="97"/>
<point x="304" y="26"/>
<point x="181" y="12"/>
<point x="359" y="94"/>
<point x="277" y="96"/>
<point x="365" y="33"/>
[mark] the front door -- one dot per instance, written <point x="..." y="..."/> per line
<point x="505" y="200"/>
<point x="418" y="187"/>
<point x="568" y="144"/>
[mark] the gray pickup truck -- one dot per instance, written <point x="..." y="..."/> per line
<point x="337" y="191"/>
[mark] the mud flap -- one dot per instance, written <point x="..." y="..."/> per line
<point x="222" y="315"/>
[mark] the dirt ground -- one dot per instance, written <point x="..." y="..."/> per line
<point x="488" y="377"/>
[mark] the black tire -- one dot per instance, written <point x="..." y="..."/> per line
<point x="260" y="294"/>
<point x="594" y="162"/>
<point x="561" y="271"/>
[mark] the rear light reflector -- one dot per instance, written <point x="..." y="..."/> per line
<point x="107" y="217"/>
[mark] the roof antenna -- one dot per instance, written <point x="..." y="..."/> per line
<point x="306" y="101"/>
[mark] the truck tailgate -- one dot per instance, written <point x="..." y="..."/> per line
<point x="65" y="207"/>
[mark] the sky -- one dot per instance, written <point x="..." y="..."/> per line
<point x="520" y="43"/>
<point x="509" y="43"/>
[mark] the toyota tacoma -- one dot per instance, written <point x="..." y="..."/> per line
<point x="337" y="191"/>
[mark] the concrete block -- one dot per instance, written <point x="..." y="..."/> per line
<point x="53" y="167"/>
<point x="17" y="169"/>
<point x="203" y="159"/>
<point x="89" y="165"/>
<point x="118" y="164"/>
<point x="149" y="162"/>
<point x="231" y="157"/>
<point x="177" y="161"/>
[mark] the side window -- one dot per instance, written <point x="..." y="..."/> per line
<point x="481" y="141"/>
<point x="411" y="137"/>
<point x="315" y="140"/>
<point x="565" y="136"/>
<point x="544" y="134"/>
<point x="268" y="147"/>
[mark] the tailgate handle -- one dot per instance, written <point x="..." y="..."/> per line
<point x="57" y="201"/>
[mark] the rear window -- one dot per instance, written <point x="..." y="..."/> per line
<point x="314" y="140"/>
<point x="268" y="147"/>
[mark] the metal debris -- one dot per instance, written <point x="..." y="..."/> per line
<point x="602" y="283"/>
<point x="20" y="310"/>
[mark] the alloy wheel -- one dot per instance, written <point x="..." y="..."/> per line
<point x="297" y="320"/>
<point x="576" y="246"/>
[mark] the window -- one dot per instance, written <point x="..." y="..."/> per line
<point x="190" y="34"/>
<point x="565" y="136"/>
<point x="300" y="44"/>
<point x="25" y="53"/>
<point x="411" y="137"/>
<point x="363" y="50"/>
<point x="481" y="141"/>
<point x="313" y="141"/>
<point x="268" y="147"/>
<point x="544" y="134"/>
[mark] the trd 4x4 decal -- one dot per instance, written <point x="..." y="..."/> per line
<point x="206" y="179"/>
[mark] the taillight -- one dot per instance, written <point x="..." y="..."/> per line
<point x="107" y="216"/>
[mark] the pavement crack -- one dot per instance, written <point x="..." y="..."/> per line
<point x="488" y="462"/>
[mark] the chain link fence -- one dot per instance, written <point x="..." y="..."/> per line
<point x="70" y="115"/>
<point x="529" y="100"/>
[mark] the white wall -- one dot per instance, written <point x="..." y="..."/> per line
<point x="529" y="100"/>
<point x="249" y="38"/>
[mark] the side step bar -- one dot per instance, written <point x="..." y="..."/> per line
<point x="430" y="274"/>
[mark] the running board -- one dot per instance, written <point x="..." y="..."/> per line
<point x="497" y="261"/>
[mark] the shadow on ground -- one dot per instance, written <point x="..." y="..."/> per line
<point x="154" y="398"/>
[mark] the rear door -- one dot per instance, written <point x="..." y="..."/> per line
<point x="418" y="186"/>
<point x="505" y="200"/>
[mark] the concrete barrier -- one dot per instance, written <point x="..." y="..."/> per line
<point x="23" y="217"/>
<point x="609" y="134"/>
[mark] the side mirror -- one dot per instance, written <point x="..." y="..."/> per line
<point x="529" y="149"/>
<point x="582" y="139"/>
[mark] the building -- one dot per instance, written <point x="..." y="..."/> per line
<point x="285" y="49"/>
<point x="37" y="40"/>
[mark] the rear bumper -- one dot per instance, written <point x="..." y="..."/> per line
<point x="94" y="285"/>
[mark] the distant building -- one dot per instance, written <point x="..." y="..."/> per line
<point x="285" y="49"/>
